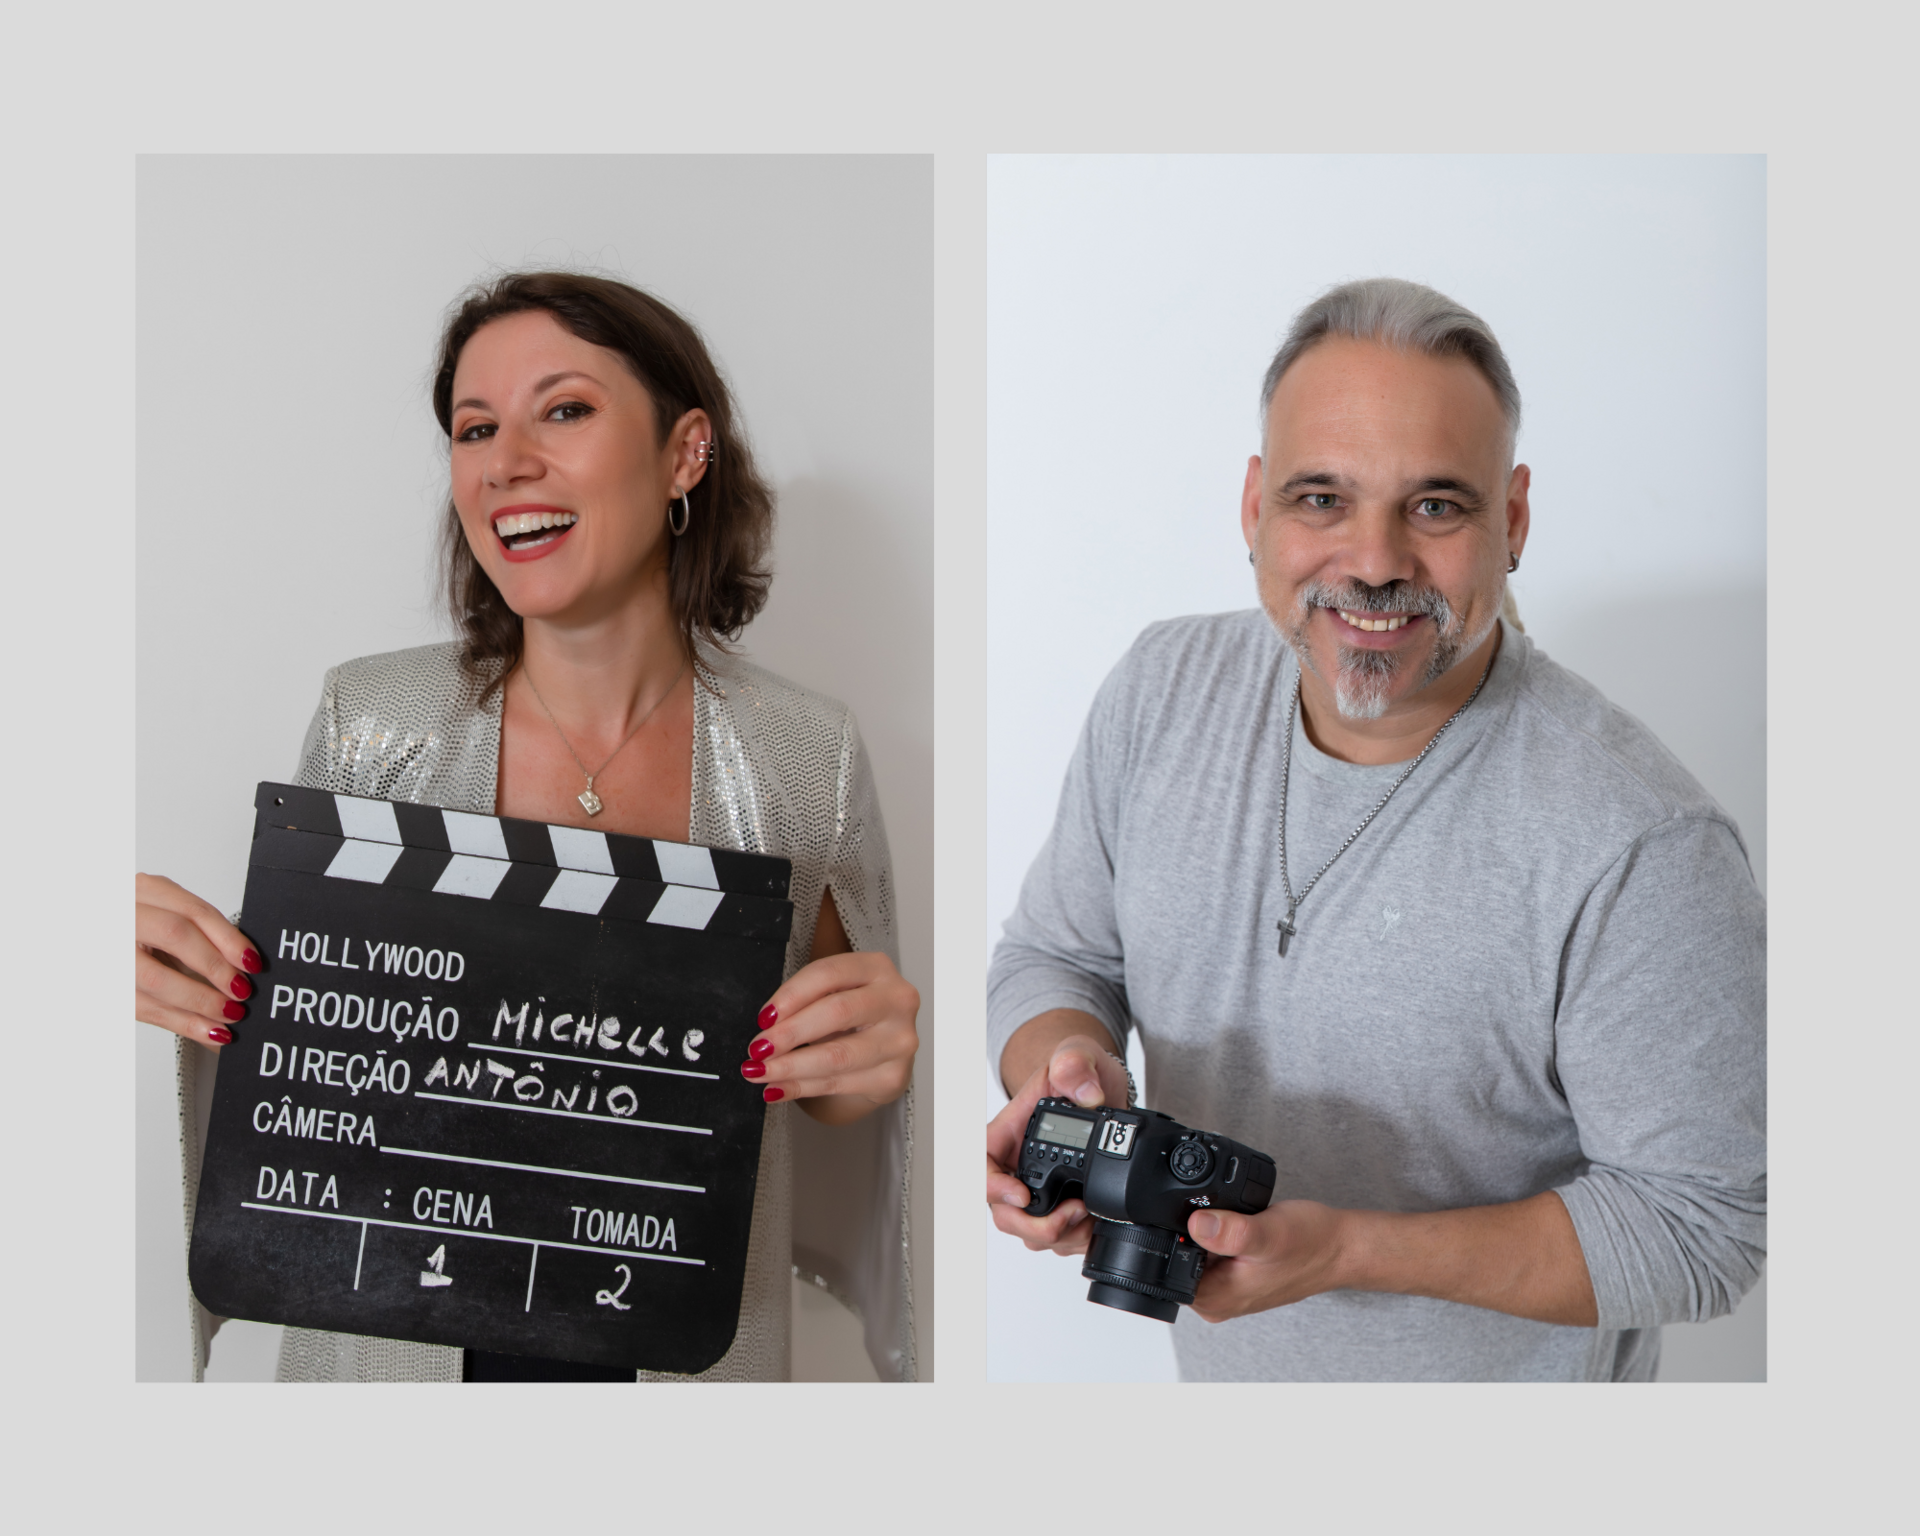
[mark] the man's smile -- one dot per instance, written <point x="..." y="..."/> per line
<point x="1363" y="630"/>
<point x="1382" y="621"/>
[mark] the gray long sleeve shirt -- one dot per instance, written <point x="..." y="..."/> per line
<point x="1541" y="967"/>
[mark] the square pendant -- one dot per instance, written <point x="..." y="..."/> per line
<point x="590" y="801"/>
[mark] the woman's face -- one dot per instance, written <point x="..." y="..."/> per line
<point x="558" y="476"/>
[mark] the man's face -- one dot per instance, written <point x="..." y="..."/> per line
<point x="1381" y="517"/>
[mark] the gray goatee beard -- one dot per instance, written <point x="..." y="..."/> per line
<point x="1363" y="680"/>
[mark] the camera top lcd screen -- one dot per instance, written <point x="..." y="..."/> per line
<point x="1065" y="1131"/>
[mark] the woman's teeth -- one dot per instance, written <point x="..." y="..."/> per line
<point x="1361" y="621"/>
<point x="532" y="522"/>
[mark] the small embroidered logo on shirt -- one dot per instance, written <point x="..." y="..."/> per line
<point x="1388" y="917"/>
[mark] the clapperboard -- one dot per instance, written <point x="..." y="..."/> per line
<point x="488" y="1091"/>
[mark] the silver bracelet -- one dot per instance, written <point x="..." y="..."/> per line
<point x="1133" y="1094"/>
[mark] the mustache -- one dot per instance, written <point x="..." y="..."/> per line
<point x="1390" y="597"/>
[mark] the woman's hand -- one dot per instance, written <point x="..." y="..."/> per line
<point x="190" y="964"/>
<point x="839" y="1036"/>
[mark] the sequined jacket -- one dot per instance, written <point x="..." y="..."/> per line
<point x="776" y="769"/>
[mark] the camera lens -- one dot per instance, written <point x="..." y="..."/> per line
<point x="1145" y="1270"/>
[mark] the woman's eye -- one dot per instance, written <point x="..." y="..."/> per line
<point x="570" y="410"/>
<point x="478" y="432"/>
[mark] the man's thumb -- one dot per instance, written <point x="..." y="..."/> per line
<point x="1220" y="1232"/>
<point x="1074" y="1077"/>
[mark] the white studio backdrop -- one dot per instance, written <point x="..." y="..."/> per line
<point x="1134" y="303"/>
<point x="290" y="477"/>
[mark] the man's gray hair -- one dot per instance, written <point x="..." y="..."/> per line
<point x="1401" y="314"/>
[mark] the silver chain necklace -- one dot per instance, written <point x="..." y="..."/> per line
<point x="589" y="801"/>
<point x="1285" y="925"/>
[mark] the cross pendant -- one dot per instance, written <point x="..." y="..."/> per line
<point x="1287" y="931"/>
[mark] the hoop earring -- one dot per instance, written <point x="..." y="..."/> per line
<point x="1513" y="562"/>
<point x="678" y="525"/>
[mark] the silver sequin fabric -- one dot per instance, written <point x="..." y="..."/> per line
<point x="776" y="769"/>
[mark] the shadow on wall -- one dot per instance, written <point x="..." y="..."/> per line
<point x="853" y="572"/>
<point x="850" y="615"/>
<point x="1693" y="669"/>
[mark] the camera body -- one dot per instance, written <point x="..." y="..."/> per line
<point x="1142" y="1174"/>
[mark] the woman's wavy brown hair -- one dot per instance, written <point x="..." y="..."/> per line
<point x="717" y="570"/>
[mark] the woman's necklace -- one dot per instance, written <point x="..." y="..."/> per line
<point x="1285" y="925"/>
<point x="589" y="801"/>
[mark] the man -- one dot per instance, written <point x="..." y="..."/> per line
<point x="1502" y="1034"/>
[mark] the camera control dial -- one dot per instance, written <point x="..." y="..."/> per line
<point x="1190" y="1160"/>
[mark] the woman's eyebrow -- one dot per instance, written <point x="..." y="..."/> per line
<point x="554" y="378"/>
<point x="539" y="386"/>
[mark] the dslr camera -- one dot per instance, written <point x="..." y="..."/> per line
<point x="1142" y="1174"/>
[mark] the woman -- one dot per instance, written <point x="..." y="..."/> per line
<point x="605" y="536"/>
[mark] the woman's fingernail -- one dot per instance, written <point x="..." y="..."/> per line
<point x="250" y="961"/>
<point x="773" y="1095"/>
<point x="761" y="1049"/>
<point x="768" y="1016"/>
<point x="241" y="988"/>
<point x="752" y="1069"/>
<point x="219" y="1034"/>
<point x="232" y="1011"/>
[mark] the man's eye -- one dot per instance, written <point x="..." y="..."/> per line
<point x="1433" y="506"/>
<point x="1322" y="501"/>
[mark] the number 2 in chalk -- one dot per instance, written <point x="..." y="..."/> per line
<point x="612" y="1298"/>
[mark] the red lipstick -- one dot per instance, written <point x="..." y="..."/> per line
<point x="532" y="530"/>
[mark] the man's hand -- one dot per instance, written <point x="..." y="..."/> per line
<point x="1522" y="1258"/>
<point x="1287" y="1253"/>
<point x="1077" y="1067"/>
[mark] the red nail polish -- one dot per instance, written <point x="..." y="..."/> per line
<point x="772" y="1095"/>
<point x="769" y="1015"/>
<point x="761" y="1049"/>
<point x="250" y="961"/>
<point x="752" y="1069"/>
<point x="233" y="1011"/>
<point x="219" y="1034"/>
<point x="241" y="988"/>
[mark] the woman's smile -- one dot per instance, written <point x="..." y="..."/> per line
<point x="529" y="531"/>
